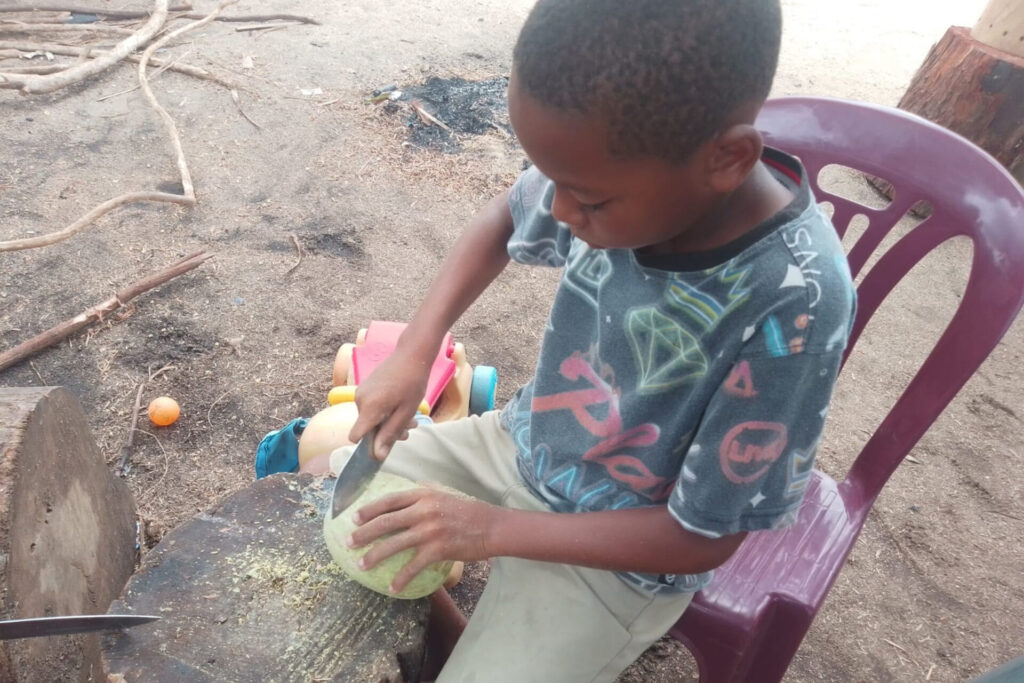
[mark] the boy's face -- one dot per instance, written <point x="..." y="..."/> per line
<point x="608" y="203"/>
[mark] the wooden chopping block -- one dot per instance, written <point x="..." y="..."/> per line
<point x="248" y="592"/>
<point x="67" y="531"/>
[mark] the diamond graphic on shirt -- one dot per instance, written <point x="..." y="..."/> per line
<point x="667" y="355"/>
<point x="587" y="270"/>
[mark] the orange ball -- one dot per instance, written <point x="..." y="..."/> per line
<point x="163" y="411"/>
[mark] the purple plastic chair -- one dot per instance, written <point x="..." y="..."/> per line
<point x="748" y="624"/>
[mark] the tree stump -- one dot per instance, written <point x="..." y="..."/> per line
<point x="975" y="90"/>
<point x="248" y="592"/>
<point x="67" y="531"/>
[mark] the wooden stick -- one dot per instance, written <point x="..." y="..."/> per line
<point x="137" y="14"/>
<point x="90" y="315"/>
<point x="126" y="449"/>
<point x="98" y="11"/>
<point x="257" y="17"/>
<point x="166" y="368"/>
<point x="21" y="27"/>
<point x="238" y="103"/>
<point x="35" y="85"/>
<point x="186" y="176"/>
<point x="298" y="248"/>
<point x="163" y="67"/>
<point x="44" y="69"/>
<point x="89" y="218"/>
<point x="213" y="405"/>
<point x="188" y="197"/>
<point x="428" y="118"/>
<point x="262" y="27"/>
<point x="71" y="50"/>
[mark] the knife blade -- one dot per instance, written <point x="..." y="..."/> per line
<point x="356" y="474"/>
<point x="53" y="626"/>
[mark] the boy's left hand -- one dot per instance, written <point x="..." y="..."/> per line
<point x="439" y="525"/>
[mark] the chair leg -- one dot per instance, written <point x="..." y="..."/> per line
<point x="716" y="662"/>
<point x="760" y="654"/>
<point x="773" y="654"/>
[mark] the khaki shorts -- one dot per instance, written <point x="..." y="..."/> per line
<point x="536" y="622"/>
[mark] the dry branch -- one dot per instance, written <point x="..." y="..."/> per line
<point x="152" y="77"/>
<point x="98" y="11"/>
<point x="22" y="27"/>
<point x="238" y="103"/>
<point x="71" y="50"/>
<point x="428" y="118"/>
<point x="126" y="449"/>
<point x="87" y="317"/>
<point x="257" y="17"/>
<point x="31" y="84"/>
<point x="89" y="218"/>
<point x="298" y="249"/>
<point x="187" y="197"/>
<point x="186" y="176"/>
<point x="136" y="14"/>
<point x="262" y="27"/>
<point x="43" y="69"/>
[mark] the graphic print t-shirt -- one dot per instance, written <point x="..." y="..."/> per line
<point x="697" y="380"/>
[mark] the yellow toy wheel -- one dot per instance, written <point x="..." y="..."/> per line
<point x="343" y="365"/>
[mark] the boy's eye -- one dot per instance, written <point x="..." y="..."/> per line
<point x="592" y="208"/>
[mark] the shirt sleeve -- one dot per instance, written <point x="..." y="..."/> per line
<point x="537" y="239"/>
<point x="750" y="460"/>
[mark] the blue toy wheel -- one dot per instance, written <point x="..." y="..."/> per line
<point x="482" y="390"/>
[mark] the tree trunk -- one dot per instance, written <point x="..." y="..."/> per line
<point x="67" y="532"/>
<point x="248" y="592"/>
<point x="975" y="90"/>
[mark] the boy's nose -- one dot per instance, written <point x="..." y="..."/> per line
<point x="566" y="209"/>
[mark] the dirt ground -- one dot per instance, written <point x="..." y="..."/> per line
<point x="934" y="589"/>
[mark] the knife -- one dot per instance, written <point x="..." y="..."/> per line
<point x="53" y="626"/>
<point x="356" y="474"/>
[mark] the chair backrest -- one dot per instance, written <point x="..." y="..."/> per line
<point x="970" y="194"/>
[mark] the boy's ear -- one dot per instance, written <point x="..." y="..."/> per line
<point x="732" y="155"/>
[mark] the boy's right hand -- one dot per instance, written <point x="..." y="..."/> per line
<point x="389" y="398"/>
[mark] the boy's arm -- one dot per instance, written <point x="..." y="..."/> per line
<point x="441" y="526"/>
<point x="389" y="397"/>
<point x="644" y="540"/>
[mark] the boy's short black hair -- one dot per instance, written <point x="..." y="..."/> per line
<point x="664" y="74"/>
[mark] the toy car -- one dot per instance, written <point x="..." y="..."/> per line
<point x="455" y="389"/>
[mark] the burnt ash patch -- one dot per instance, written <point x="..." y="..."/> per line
<point x="466" y="107"/>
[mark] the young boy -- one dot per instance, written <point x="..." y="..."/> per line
<point x="687" y="363"/>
